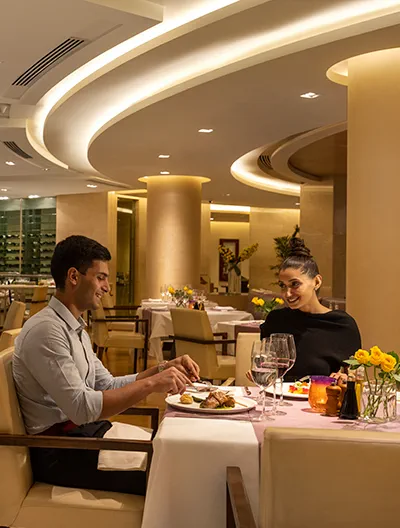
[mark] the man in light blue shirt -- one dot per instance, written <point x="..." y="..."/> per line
<point x="62" y="386"/>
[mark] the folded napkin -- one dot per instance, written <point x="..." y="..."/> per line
<point x="224" y="308"/>
<point x="124" y="460"/>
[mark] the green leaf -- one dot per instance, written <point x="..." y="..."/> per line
<point x="381" y="375"/>
<point x="352" y="362"/>
<point x="396" y="377"/>
<point x="353" y="367"/>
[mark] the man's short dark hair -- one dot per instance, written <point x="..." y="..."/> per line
<point x="78" y="252"/>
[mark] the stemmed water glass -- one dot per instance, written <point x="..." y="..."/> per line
<point x="284" y="347"/>
<point x="264" y="372"/>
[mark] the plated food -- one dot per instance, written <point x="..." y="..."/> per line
<point x="213" y="402"/>
<point x="187" y="399"/>
<point x="299" y="387"/>
<point x="290" y="390"/>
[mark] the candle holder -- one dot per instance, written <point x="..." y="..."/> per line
<point x="317" y="396"/>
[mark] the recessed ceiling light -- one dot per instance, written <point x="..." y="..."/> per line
<point x="33" y="196"/>
<point x="164" y="156"/>
<point x="46" y="169"/>
<point x="206" y="130"/>
<point x="297" y="203"/>
<point x="212" y="218"/>
<point x="230" y="208"/>
<point x="4" y="190"/>
<point x="164" y="172"/>
<point x="4" y="198"/>
<point x="10" y="163"/>
<point x="227" y="194"/>
<point x="91" y="186"/>
<point x="309" y="95"/>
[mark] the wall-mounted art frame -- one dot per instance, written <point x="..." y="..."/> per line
<point x="233" y="245"/>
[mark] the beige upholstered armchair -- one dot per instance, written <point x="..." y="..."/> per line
<point x="8" y="337"/>
<point x="15" y="316"/>
<point x="28" y="504"/>
<point x="244" y="345"/>
<point x="130" y="338"/>
<point x="39" y="300"/>
<point x="193" y="336"/>
<point x="329" y="478"/>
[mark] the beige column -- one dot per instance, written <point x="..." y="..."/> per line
<point x="373" y="210"/>
<point x="316" y="227"/>
<point x="93" y="215"/>
<point x="173" y="231"/>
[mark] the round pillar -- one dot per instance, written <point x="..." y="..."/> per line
<point x="173" y="231"/>
<point x="373" y="194"/>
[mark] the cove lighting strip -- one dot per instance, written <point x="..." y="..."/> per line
<point x="35" y="127"/>
<point x="230" y="208"/>
<point x="327" y="20"/>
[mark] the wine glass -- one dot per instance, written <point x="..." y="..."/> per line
<point x="264" y="372"/>
<point x="285" y="349"/>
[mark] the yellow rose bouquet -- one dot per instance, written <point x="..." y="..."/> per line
<point x="181" y="296"/>
<point x="232" y="261"/>
<point x="380" y="372"/>
<point x="266" y="307"/>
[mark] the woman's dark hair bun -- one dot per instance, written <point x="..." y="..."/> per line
<point x="297" y="248"/>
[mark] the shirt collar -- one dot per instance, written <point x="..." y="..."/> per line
<point x="66" y="315"/>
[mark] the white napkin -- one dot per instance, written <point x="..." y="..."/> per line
<point x="224" y="308"/>
<point x="124" y="460"/>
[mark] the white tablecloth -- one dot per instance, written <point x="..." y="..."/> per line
<point x="161" y="325"/>
<point x="188" y="472"/>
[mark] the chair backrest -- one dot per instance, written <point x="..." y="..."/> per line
<point x="195" y="324"/>
<point x="15" y="467"/>
<point x="244" y="345"/>
<point x="99" y="327"/>
<point x="108" y="303"/>
<point x="328" y="478"/>
<point x="39" y="300"/>
<point x="8" y="337"/>
<point x="15" y="316"/>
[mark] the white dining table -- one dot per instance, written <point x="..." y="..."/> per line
<point x="161" y="325"/>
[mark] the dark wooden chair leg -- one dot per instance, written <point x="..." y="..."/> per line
<point x="145" y="359"/>
<point x="135" y="360"/>
<point x="95" y="351"/>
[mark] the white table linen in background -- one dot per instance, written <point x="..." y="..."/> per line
<point x="161" y="326"/>
<point x="229" y="328"/>
<point x="187" y="486"/>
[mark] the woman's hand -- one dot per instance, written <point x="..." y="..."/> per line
<point x="187" y="366"/>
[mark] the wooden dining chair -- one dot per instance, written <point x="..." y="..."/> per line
<point x="15" y="316"/>
<point x="28" y="504"/>
<point x="244" y="346"/>
<point x="193" y="335"/>
<point x="330" y="478"/>
<point x="8" y="337"/>
<point x="131" y="339"/>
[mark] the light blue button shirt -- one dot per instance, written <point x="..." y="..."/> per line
<point x="57" y="375"/>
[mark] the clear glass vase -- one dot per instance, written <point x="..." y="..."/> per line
<point x="234" y="280"/>
<point x="378" y="402"/>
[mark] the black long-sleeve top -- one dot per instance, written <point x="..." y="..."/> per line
<point x="322" y="340"/>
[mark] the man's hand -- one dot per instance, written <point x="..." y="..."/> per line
<point x="186" y="365"/>
<point x="170" y="380"/>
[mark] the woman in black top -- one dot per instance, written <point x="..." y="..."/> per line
<point x="324" y="338"/>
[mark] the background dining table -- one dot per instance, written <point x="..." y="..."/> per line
<point x="191" y="452"/>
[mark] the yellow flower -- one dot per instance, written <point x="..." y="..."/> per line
<point x="376" y="355"/>
<point x="278" y="300"/>
<point x="171" y="290"/>
<point x="388" y="363"/>
<point x="254" y="300"/>
<point x="362" y="356"/>
<point x="185" y="288"/>
<point x="261" y="302"/>
<point x="189" y="292"/>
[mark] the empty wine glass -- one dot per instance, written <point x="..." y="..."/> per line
<point x="285" y="349"/>
<point x="264" y="372"/>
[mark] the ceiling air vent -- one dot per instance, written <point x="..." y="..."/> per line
<point x="52" y="58"/>
<point x="17" y="150"/>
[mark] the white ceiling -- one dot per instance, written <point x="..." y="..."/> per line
<point x="250" y="100"/>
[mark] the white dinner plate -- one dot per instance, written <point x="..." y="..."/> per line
<point x="246" y="405"/>
<point x="286" y="393"/>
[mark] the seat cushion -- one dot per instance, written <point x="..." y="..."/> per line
<point x="119" y="339"/>
<point x="49" y="506"/>
<point x="122" y="326"/>
<point x="226" y="367"/>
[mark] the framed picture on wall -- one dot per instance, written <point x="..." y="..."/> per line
<point x="233" y="245"/>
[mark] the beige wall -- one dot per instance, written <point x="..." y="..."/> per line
<point x="239" y="230"/>
<point x="205" y="239"/>
<point x="316" y="221"/>
<point x="265" y="225"/>
<point x="140" y="251"/>
<point x="94" y="216"/>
